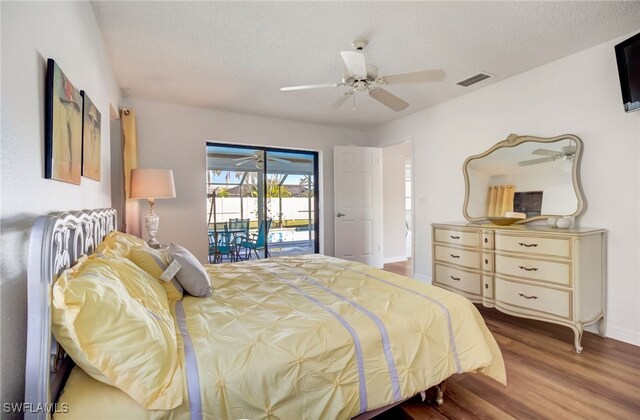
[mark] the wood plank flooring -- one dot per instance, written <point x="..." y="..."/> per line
<point x="546" y="378"/>
<point x="401" y="267"/>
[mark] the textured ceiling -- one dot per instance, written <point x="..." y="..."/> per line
<point x="235" y="56"/>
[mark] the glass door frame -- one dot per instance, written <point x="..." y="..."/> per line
<point x="316" y="188"/>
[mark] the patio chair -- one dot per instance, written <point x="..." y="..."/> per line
<point x="239" y="229"/>
<point x="240" y="224"/>
<point x="220" y="243"/>
<point x="256" y="241"/>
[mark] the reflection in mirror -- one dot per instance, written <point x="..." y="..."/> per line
<point x="534" y="176"/>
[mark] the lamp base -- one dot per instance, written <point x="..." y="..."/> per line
<point x="151" y="222"/>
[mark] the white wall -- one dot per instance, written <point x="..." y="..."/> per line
<point x="393" y="201"/>
<point x="579" y="94"/>
<point x="31" y="33"/>
<point x="559" y="196"/>
<point x="174" y="137"/>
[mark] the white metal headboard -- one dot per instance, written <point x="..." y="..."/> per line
<point x="57" y="242"/>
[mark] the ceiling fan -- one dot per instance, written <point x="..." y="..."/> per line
<point x="258" y="156"/>
<point x="360" y="76"/>
<point x="566" y="153"/>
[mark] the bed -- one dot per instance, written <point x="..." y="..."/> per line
<point x="304" y="337"/>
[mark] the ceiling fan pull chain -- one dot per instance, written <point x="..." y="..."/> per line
<point x="354" y="102"/>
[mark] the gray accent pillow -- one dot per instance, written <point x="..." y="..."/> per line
<point x="192" y="275"/>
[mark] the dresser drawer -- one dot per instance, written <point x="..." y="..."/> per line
<point x="548" y="271"/>
<point x="458" y="279"/>
<point x="487" y="262"/>
<point x="458" y="237"/>
<point x="468" y="259"/>
<point x="557" y="247"/>
<point x="487" y="239"/>
<point x="534" y="298"/>
<point x="487" y="284"/>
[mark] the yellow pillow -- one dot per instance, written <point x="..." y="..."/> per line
<point x="113" y="319"/>
<point x="154" y="262"/>
<point x="120" y="242"/>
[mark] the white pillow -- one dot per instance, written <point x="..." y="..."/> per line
<point x="192" y="275"/>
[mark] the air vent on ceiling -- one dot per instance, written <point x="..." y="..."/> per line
<point x="474" y="79"/>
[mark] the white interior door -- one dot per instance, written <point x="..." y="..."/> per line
<point x="357" y="185"/>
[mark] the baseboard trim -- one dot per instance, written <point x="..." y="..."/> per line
<point x="623" y="334"/>
<point x="422" y="277"/>
<point x="394" y="259"/>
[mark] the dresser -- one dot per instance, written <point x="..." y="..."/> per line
<point x="547" y="274"/>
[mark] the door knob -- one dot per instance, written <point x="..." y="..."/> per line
<point x="340" y="214"/>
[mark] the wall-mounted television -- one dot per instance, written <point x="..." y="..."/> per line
<point x="628" y="58"/>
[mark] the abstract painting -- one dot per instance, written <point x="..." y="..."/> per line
<point x="90" y="138"/>
<point x="63" y="127"/>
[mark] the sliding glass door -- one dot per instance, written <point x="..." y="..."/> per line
<point x="260" y="202"/>
<point x="291" y="202"/>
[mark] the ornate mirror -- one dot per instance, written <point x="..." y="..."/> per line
<point x="537" y="176"/>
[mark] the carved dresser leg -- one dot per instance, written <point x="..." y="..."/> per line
<point x="440" y="392"/>
<point x="577" y="331"/>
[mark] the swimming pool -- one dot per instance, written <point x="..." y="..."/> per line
<point x="289" y="236"/>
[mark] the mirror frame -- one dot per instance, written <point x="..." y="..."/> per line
<point x="514" y="140"/>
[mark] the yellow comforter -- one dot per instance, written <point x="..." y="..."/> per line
<point x="308" y="337"/>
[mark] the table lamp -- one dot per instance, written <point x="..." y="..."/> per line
<point x="152" y="184"/>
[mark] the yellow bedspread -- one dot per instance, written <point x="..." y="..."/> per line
<point x="308" y="337"/>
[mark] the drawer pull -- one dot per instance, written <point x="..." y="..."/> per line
<point x="486" y="240"/>
<point x="527" y="245"/>
<point x="486" y="285"/>
<point x="527" y="297"/>
<point x="455" y="278"/>
<point x="528" y="269"/>
<point x="454" y="237"/>
<point x="486" y="261"/>
<point x="454" y="256"/>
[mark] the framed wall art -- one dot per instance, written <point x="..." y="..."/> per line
<point x="63" y="127"/>
<point x="90" y="138"/>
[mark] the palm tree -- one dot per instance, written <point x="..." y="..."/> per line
<point x="219" y="191"/>
<point x="307" y="183"/>
<point x="274" y="190"/>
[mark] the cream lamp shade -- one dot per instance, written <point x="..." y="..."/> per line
<point x="152" y="184"/>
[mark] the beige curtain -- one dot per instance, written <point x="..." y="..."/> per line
<point x="131" y="216"/>
<point x="500" y="200"/>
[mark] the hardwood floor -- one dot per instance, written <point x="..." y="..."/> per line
<point x="546" y="378"/>
<point x="401" y="267"/>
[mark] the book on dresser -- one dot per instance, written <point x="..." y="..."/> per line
<point x="537" y="272"/>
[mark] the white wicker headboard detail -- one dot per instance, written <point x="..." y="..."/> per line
<point x="57" y="241"/>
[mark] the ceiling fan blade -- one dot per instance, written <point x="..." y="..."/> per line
<point x="243" y="160"/>
<point x="416" y="77"/>
<point x="355" y="63"/>
<point x="273" y="159"/>
<point x="326" y="85"/>
<point x="546" y="152"/>
<point x="388" y="99"/>
<point x="535" y="161"/>
<point x="340" y="101"/>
